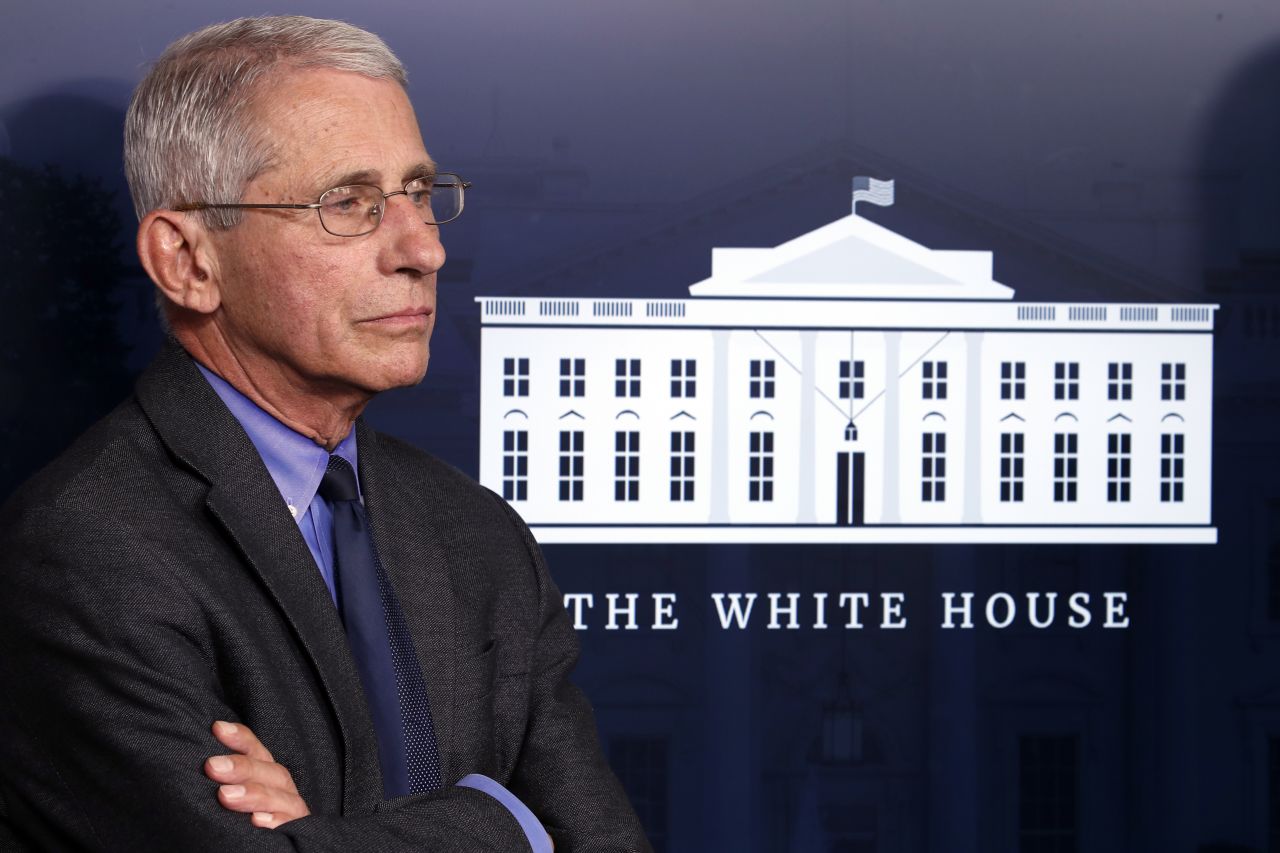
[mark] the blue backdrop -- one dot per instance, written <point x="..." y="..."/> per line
<point x="1127" y="149"/>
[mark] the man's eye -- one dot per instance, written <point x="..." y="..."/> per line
<point x="344" y="205"/>
<point x="419" y="191"/>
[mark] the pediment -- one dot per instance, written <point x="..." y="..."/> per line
<point x="851" y="258"/>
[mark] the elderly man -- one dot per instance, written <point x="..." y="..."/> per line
<point x="234" y="616"/>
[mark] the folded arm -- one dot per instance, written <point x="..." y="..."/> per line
<point x="252" y="782"/>
<point x="111" y="685"/>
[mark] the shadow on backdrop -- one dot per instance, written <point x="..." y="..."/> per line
<point x="75" y="319"/>
<point x="1237" y="606"/>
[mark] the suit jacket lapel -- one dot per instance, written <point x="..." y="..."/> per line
<point x="200" y="431"/>
<point x="410" y="531"/>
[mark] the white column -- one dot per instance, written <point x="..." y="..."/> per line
<point x="719" y="473"/>
<point x="807" y="439"/>
<point x="892" y="447"/>
<point x="972" y="470"/>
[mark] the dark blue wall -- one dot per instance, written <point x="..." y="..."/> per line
<point x="1115" y="151"/>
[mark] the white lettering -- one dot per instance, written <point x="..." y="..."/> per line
<point x="736" y="612"/>
<point x="1116" y="617"/>
<point x="1032" y="610"/>
<point x="574" y="601"/>
<point x="891" y="610"/>
<point x="950" y="610"/>
<point x="1079" y="604"/>
<point x="820" y="605"/>
<point x="1010" y="610"/>
<point x="791" y="610"/>
<point x="854" y="600"/>
<point x="629" y="611"/>
<point x="664" y="604"/>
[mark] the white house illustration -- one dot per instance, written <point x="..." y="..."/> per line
<point x="849" y="385"/>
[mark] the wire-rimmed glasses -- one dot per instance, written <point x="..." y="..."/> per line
<point x="357" y="209"/>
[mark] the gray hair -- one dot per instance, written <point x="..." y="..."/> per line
<point x="188" y="134"/>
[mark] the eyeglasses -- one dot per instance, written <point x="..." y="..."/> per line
<point x="356" y="210"/>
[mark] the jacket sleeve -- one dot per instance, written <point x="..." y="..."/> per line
<point x="561" y="773"/>
<point x="107" y="695"/>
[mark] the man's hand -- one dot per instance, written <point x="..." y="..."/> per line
<point x="251" y="779"/>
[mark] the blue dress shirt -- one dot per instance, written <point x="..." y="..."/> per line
<point x="297" y="464"/>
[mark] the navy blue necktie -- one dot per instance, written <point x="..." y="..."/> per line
<point x="381" y="644"/>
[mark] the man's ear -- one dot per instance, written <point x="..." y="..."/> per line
<point x="177" y="252"/>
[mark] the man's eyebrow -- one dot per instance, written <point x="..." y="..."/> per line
<point x="372" y="177"/>
<point x="425" y="169"/>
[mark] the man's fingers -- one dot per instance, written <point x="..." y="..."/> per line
<point x="252" y="798"/>
<point x="233" y="769"/>
<point x="223" y="768"/>
<point x="266" y="820"/>
<point x="239" y="737"/>
<point x="251" y="782"/>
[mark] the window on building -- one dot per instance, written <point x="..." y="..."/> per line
<point x="760" y="470"/>
<point x="762" y="377"/>
<point x="515" y="377"/>
<point x="573" y="377"/>
<point x="1013" y="380"/>
<point x="626" y="466"/>
<point x="571" y="465"/>
<point x="852" y="386"/>
<point x="626" y="373"/>
<point x="684" y="377"/>
<point x="640" y="764"/>
<point x="1173" y="381"/>
<point x="682" y="466"/>
<point x="1011" y="466"/>
<point x="515" y="464"/>
<point x="933" y="467"/>
<point x="1048" y="794"/>
<point x="1120" y="380"/>
<point x="1066" y="380"/>
<point x="934" y="380"/>
<point x="1065" y="466"/>
<point x="1119" y="458"/>
<point x="1171" y="464"/>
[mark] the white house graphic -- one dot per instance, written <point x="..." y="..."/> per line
<point x="849" y="385"/>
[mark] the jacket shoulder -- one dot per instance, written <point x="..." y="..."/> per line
<point x="424" y="467"/>
<point x="487" y="515"/>
<point x="107" y="460"/>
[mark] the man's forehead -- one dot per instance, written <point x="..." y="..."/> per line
<point x="297" y="90"/>
<point x="332" y="128"/>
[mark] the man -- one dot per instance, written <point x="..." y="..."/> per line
<point x="216" y="636"/>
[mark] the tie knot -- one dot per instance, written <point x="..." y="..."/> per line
<point x="339" y="481"/>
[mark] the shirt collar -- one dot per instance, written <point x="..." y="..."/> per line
<point x="295" y="462"/>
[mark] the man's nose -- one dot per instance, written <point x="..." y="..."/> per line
<point x="412" y="245"/>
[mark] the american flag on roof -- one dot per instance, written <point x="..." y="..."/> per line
<point x="869" y="189"/>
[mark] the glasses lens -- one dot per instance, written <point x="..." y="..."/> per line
<point x="440" y="201"/>
<point x="351" y="211"/>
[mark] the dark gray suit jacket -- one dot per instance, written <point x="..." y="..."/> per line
<point x="152" y="581"/>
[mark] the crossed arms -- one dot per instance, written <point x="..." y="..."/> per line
<point x="112" y="683"/>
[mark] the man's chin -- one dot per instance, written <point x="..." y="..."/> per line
<point x="400" y="373"/>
